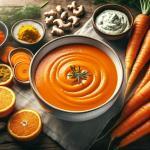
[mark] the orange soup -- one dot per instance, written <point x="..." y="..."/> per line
<point x="76" y="77"/>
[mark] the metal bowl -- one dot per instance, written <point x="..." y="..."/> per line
<point x="4" y="28"/>
<point x="76" y="39"/>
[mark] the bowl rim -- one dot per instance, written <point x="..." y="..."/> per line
<point x="69" y="111"/>
<point x="6" y="33"/>
<point x="24" y="20"/>
<point x="116" y="5"/>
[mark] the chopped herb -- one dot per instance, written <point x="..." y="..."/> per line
<point x="11" y="15"/>
<point x="78" y="74"/>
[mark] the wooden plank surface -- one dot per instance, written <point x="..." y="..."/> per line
<point x="44" y="142"/>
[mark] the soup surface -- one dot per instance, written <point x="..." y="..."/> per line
<point x="76" y="77"/>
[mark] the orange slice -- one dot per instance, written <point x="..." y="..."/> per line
<point x="20" y="57"/>
<point x="7" y="101"/>
<point x="25" y="125"/>
<point x="21" y="71"/>
<point x="6" y="75"/>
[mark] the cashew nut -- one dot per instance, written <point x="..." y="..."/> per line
<point x="49" y="20"/>
<point x="51" y="13"/>
<point x="64" y="26"/>
<point x="72" y="6"/>
<point x="64" y="15"/>
<point x="75" y="20"/>
<point x="57" y="31"/>
<point x="79" y="11"/>
<point x="59" y="9"/>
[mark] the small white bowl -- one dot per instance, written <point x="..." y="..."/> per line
<point x="39" y="26"/>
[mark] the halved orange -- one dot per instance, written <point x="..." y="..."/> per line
<point x="25" y="125"/>
<point x="6" y="75"/>
<point x="7" y="101"/>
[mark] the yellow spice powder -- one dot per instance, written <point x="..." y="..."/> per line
<point x="28" y="33"/>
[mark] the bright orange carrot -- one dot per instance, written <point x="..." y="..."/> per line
<point x="136" y="134"/>
<point x="142" y="59"/>
<point x="144" y="80"/>
<point x="136" y="101"/>
<point x="134" y="120"/>
<point x="140" y="27"/>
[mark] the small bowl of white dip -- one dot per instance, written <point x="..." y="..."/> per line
<point x="112" y="21"/>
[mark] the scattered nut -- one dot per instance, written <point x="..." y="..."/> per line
<point x="79" y="11"/>
<point x="57" y="31"/>
<point x="61" y="20"/>
<point x="64" y="15"/>
<point x="60" y="23"/>
<point x="74" y="20"/>
<point x="72" y="6"/>
<point x="49" y="20"/>
<point x="59" y="9"/>
<point x="51" y="13"/>
<point x="46" y="14"/>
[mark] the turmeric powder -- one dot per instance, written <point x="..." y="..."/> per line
<point x="28" y="33"/>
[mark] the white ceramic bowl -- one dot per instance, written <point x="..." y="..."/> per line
<point x="39" y="26"/>
<point x="76" y="39"/>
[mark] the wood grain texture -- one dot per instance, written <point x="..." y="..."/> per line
<point x="44" y="142"/>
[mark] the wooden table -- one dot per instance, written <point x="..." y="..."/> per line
<point x="44" y="142"/>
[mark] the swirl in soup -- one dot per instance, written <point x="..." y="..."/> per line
<point x="76" y="77"/>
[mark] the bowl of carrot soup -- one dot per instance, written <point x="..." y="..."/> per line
<point x="76" y="75"/>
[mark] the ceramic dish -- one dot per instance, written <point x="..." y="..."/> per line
<point x="39" y="26"/>
<point x="120" y="8"/>
<point x="4" y="28"/>
<point x="20" y="49"/>
<point x="67" y="40"/>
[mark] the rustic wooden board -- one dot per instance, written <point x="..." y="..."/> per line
<point x="44" y="142"/>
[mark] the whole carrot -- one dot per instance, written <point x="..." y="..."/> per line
<point x="134" y="120"/>
<point x="136" y="134"/>
<point x="142" y="59"/>
<point x="140" y="27"/>
<point x="144" y="80"/>
<point x="136" y="101"/>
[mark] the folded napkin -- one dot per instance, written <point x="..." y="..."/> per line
<point x="71" y="135"/>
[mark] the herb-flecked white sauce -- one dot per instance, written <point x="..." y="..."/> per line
<point x="112" y="22"/>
